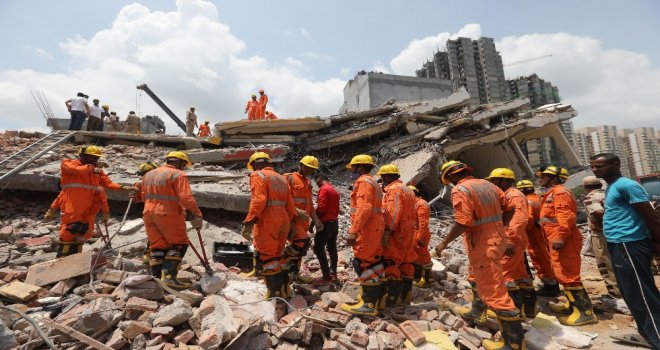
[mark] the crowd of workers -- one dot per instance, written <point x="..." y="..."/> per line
<point x="256" y="109"/>
<point x="501" y="221"/>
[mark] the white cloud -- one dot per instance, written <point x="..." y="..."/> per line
<point x="41" y="52"/>
<point x="421" y="50"/>
<point x="606" y="86"/>
<point x="298" y="33"/>
<point x="317" y="56"/>
<point x="381" y="67"/>
<point x="186" y="56"/>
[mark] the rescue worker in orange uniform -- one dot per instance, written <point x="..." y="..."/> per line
<point x="263" y="102"/>
<point x="423" y="263"/>
<point x="365" y="234"/>
<point x="270" y="115"/>
<point x="252" y="108"/>
<point x="269" y="219"/>
<point x="399" y="236"/>
<point x="80" y="182"/>
<point x="478" y="217"/>
<point x="538" y="244"/>
<point x="557" y="218"/>
<point x="301" y="191"/>
<point x="167" y="195"/>
<point x="204" y="130"/>
<point x="138" y="196"/>
<point x="514" y="266"/>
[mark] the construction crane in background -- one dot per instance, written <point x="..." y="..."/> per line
<point x="162" y="105"/>
<point x="527" y="60"/>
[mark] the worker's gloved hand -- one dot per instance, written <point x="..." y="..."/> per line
<point x="557" y="244"/>
<point x="351" y="240"/>
<point x="130" y="188"/>
<point x="50" y="215"/>
<point x="319" y="225"/>
<point x="197" y="222"/>
<point x="509" y="249"/>
<point x="246" y="230"/>
<point x="385" y="241"/>
<point x="105" y="217"/>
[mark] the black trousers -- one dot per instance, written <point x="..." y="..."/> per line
<point x="632" y="269"/>
<point x="327" y="239"/>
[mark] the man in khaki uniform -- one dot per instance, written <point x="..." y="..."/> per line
<point x="133" y="123"/>
<point x="191" y="122"/>
<point x="594" y="203"/>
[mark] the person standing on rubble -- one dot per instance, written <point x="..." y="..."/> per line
<point x="301" y="191"/>
<point x="632" y="229"/>
<point x="263" y="102"/>
<point x="133" y="123"/>
<point x="105" y="117"/>
<point x="113" y="125"/>
<point x="538" y="244"/>
<point x="271" y="214"/>
<point x="191" y="122"/>
<point x="558" y="220"/>
<point x="205" y="129"/>
<point x="423" y="264"/>
<point x="167" y="195"/>
<point x="81" y="180"/>
<point x="94" y="119"/>
<point x="327" y="210"/>
<point x="79" y="110"/>
<point x="270" y="115"/>
<point x="594" y="202"/>
<point x="517" y="279"/>
<point x="478" y="217"/>
<point x="364" y="236"/>
<point x="399" y="235"/>
<point x="252" y="108"/>
<point x="138" y="196"/>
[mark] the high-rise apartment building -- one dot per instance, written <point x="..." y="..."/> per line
<point x="642" y="151"/>
<point x="602" y="139"/>
<point x="474" y="64"/>
<point x="539" y="91"/>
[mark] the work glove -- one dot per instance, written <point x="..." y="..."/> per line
<point x="557" y="244"/>
<point x="351" y="240"/>
<point x="50" y="215"/>
<point x="130" y="188"/>
<point x="197" y="222"/>
<point x="105" y="217"/>
<point x="385" y="241"/>
<point x="246" y="231"/>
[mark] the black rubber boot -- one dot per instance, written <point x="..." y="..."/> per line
<point x="418" y="272"/>
<point x="516" y="296"/>
<point x="477" y="310"/>
<point x="394" y="289"/>
<point x="275" y="284"/>
<point x="582" y="309"/>
<point x="425" y="279"/>
<point x="173" y="257"/>
<point x="367" y="301"/>
<point x="406" y="292"/>
<point x="549" y="290"/>
<point x="68" y="248"/>
<point x="513" y="336"/>
<point x="382" y="296"/>
<point x="156" y="260"/>
<point x="529" y="300"/>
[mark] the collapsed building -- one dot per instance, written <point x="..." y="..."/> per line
<point x="101" y="299"/>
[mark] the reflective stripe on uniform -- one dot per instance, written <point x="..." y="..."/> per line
<point x="374" y="210"/>
<point x="548" y="220"/>
<point x="372" y="274"/>
<point x="300" y="200"/>
<point x="79" y="185"/>
<point x="487" y="220"/>
<point x="161" y="197"/>
<point x="275" y="203"/>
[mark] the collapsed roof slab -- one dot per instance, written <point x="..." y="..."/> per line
<point x="487" y="112"/>
<point x="105" y="138"/>
<point x="285" y="126"/>
<point x="228" y="155"/>
<point x="421" y="169"/>
<point x="258" y="139"/>
<point x="456" y="100"/>
<point x="349" y="135"/>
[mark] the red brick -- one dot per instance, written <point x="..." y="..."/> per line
<point x="330" y="345"/>
<point x="137" y="303"/>
<point x="360" y="338"/>
<point x="7" y="274"/>
<point x="134" y="328"/>
<point x="412" y="333"/>
<point x="184" y="336"/>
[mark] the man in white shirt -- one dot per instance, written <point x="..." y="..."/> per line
<point x="191" y="122"/>
<point x="79" y="110"/>
<point x="94" y="121"/>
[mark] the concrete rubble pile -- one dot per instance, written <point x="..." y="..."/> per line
<point x="103" y="298"/>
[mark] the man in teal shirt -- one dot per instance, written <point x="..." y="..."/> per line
<point x="632" y="230"/>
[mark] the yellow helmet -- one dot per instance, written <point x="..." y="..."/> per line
<point x="145" y="168"/>
<point x="253" y="95"/>
<point x="361" y="159"/>
<point x="388" y="169"/>
<point x="452" y="167"/>
<point x="502" y="173"/>
<point x="563" y="174"/>
<point x="524" y="184"/>
<point x="256" y="156"/>
<point x="310" y="161"/>
<point x="106" y="106"/>
<point x="413" y="188"/>
<point x="95" y="151"/>
<point x="179" y="155"/>
<point x="550" y="170"/>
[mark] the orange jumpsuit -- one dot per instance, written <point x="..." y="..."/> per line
<point x="301" y="191"/>
<point x="478" y="205"/>
<point x="100" y="203"/>
<point x="366" y="228"/>
<point x="514" y="267"/>
<point x="558" y="215"/>
<point x="263" y="101"/>
<point x="80" y="195"/>
<point x="252" y="108"/>
<point x="422" y="233"/>
<point x="167" y="195"/>
<point x="271" y="115"/>
<point x="399" y="215"/>
<point x="538" y="244"/>
<point x="204" y="130"/>
<point x="272" y="206"/>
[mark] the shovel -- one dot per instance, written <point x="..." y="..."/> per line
<point x="210" y="283"/>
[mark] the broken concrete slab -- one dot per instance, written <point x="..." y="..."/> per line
<point x="280" y="126"/>
<point x="456" y="100"/>
<point x="500" y="108"/>
<point x="59" y="269"/>
<point x="19" y="291"/>
<point x="231" y="154"/>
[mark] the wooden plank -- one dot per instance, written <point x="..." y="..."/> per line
<point x="59" y="269"/>
<point x="75" y="334"/>
<point x="17" y="290"/>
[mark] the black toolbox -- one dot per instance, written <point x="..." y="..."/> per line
<point x="232" y="254"/>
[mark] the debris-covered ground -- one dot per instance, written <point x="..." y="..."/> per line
<point x="104" y="298"/>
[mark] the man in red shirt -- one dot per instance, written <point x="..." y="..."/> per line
<point x="327" y="210"/>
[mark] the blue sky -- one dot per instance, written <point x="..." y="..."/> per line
<point x="304" y="51"/>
